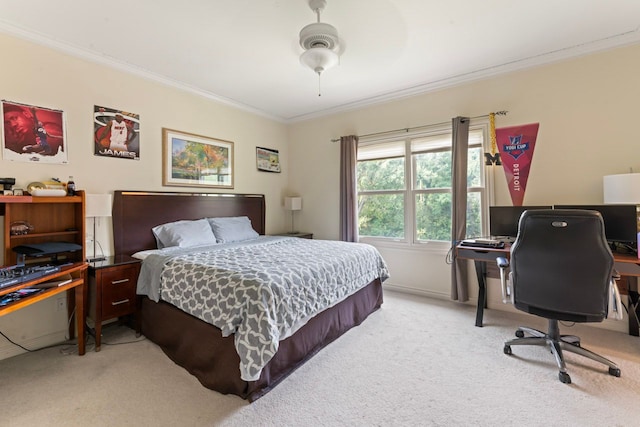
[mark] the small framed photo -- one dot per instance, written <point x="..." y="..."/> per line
<point x="195" y="160"/>
<point x="267" y="160"/>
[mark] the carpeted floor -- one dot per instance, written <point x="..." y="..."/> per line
<point x="415" y="362"/>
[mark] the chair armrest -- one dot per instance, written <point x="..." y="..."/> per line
<point x="503" y="264"/>
<point x="615" y="275"/>
<point x="614" y="310"/>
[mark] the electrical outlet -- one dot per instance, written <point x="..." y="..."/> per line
<point x="61" y="304"/>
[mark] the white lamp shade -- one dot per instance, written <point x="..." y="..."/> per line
<point x="319" y="59"/>
<point x="622" y="189"/>
<point x="97" y="205"/>
<point x="293" y="203"/>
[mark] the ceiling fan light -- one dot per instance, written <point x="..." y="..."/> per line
<point x="319" y="59"/>
<point x="320" y="43"/>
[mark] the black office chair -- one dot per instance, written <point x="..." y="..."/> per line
<point x="562" y="270"/>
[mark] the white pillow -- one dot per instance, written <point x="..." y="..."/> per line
<point x="232" y="229"/>
<point x="184" y="234"/>
<point x="147" y="252"/>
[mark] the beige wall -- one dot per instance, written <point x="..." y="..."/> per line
<point x="586" y="108"/>
<point x="44" y="77"/>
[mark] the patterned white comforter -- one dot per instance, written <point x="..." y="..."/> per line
<point x="263" y="291"/>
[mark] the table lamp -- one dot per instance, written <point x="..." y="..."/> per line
<point x="623" y="189"/>
<point x="293" y="203"/>
<point x="96" y="206"/>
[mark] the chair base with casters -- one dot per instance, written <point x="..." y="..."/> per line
<point x="557" y="343"/>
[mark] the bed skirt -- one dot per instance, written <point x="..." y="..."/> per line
<point x="201" y="349"/>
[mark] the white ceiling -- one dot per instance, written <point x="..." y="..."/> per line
<point x="245" y="52"/>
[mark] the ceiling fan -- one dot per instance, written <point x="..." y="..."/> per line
<point x="320" y="43"/>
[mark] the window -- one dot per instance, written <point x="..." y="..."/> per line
<point x="404" y="186"/>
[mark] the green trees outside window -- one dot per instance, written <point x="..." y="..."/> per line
<point x="393" y="191"/>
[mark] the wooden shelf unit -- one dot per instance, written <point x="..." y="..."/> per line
<point x="55" y="219"/>
<point x="76" y="297"/>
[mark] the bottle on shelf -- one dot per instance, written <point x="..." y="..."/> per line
<point x="71" y="187"/>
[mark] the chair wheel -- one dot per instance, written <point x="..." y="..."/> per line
<point x="564" y="378"/>
<point x="507" y="350"/>
<point x="519" y="333"/>
<point x="615" y="372"/>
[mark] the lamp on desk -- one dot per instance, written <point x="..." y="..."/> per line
<point x="622" y="189"/>
<point x="96" y="206"/>
<point x="293" y="203"/>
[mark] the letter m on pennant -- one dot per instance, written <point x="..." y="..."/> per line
<point x="490" y="159"/>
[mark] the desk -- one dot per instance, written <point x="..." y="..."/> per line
<point x="75" y="299"/>
<point x="628" y="266"/>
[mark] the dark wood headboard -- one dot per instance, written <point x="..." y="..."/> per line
<point x="136" y="212"/>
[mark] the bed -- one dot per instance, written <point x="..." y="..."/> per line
<point x="210" y="352"/>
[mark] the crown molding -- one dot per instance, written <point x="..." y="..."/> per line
<point x="619" y="40"/>
<point x="111" y="62"/>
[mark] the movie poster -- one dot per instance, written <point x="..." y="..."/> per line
<point x="33" y="134"/>
<point x="116" y="133"/>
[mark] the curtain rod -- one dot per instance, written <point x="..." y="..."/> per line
<point x="497" y="113"/>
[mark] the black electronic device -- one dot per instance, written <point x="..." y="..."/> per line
<point x="17" y="274"/>
<point x="620" y="221"/>
<point x="503" y="220"/>
<point x="48" y="248"/>
<point x="7" y="183"/>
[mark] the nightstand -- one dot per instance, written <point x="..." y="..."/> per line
<point x="112" y="290"/>
<point x="300" y="234"/>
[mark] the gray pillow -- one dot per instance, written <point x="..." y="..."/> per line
<point x="232" y="229"/>
<point x="184" y="233"/>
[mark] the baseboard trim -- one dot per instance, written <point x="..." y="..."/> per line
<point x="497" y="304"/>
<point x="8" y="350"/>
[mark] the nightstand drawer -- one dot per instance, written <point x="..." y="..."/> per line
<point x="119" y="291"/>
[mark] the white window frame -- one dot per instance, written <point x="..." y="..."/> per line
<point x="409" y="192"/>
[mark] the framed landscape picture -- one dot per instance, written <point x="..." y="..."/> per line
<point x="195" y="160"/>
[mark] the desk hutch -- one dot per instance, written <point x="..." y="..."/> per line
<point x="54" y="219"/>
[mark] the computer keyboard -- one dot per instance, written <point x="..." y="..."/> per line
<point x="483" y="243"/>
<point x="17" y="274"/>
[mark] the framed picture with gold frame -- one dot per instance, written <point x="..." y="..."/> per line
<point x="191" y="160"/>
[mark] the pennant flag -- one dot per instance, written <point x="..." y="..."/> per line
<point x="516" y="144"/>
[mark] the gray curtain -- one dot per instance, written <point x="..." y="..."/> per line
<point x="348" y="200"/>
<point x="459" y="273"/>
